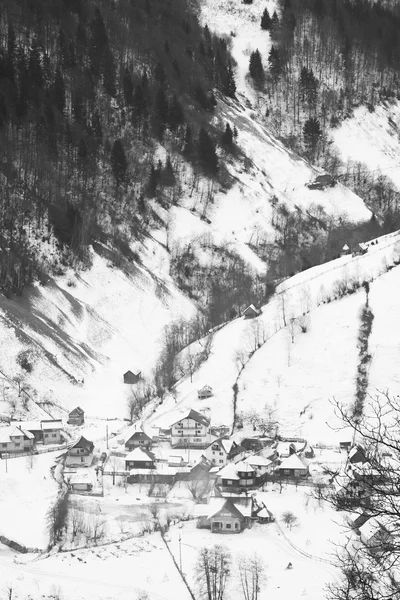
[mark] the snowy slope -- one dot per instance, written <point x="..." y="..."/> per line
<point x="373" y="139"/>
<point x="301" y="376"/>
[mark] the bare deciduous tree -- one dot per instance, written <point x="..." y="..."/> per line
<point x="197" y="488"/>
<point x="289" y="519"/>
<point x="251" y="575"/>
<point x="213" y="569"/>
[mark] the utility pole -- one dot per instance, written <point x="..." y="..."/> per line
<point x="107" y="435"/>
<point x="180" y="554"/>
<point x="6" y="462"/>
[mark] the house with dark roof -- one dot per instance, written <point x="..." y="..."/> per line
<point x="191" y="431"/>
<point x="224" y="515"/>
<point x="137" y="438"/>
<point x="131" y="378"/>
<point x="251" y="311"/>
<point x="76" y="416"/>
<point x="79" y="453"/>
<point x="375" y="535"/>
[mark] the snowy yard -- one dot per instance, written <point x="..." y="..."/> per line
<point x="27" y="490"/>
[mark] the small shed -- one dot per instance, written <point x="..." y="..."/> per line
<point x="263" y="515"/>
<point x="131" y="378"/>
<point x="175" y="461"/>
<point x="205" y="392"/>
<point x="345" y="250"/>
<point x="251" y="311"/>
<point x="76" y="416"/>
<point x="321" y="182"/>
<point x="80" y="482"/>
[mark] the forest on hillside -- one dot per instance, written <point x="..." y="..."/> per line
<point x="87" y="90"/>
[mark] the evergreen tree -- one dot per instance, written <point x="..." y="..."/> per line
<point x="312" y="133"/>
<point x="119" y="164"/>
<point x="168" y="175"/>
<point x="228" y="85"/>
<point x="227" y="136"/>
<point x="127" y="85"/>
<point x="188" y="147"/>
<point x="108" y="72"/>
<point x="153" y="182"/>
<point x="206" y="150"/>
<point x="274" y="21"/>
<point x="256" y="68"/>
<point x="98" y="42"/>
<point x="266" y="20"/>
<point x="161" y="108"/>
<point x="176" y="115"/>
<point x="274" y="61"/>
<point x="59" y="92"/>
<point x="139" y="102"/>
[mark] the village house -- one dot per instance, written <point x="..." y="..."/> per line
<point x="222" y="451"/>
<point x="76" y="416"/>
<point x="224" y="515"/>
<point x="139" y="459"/>
<point x="131" y="378"/>
<point x="285" y="449"/>
<point x="34" y="427"/>
<point x="191" y="431"/>
<point x="205" y="392"/>
<point x="14" y="440"/>
<point x="236" y="476"/>
<point x="261" y="465"/>
<point x="375" y="535"/>
<point x="251" y="311"/>
<point x="79" y="453"/>
<point x="321" y="182"/>
<point x="52" y="431"/>
<point x="293" y="466"/>
<point x="137" y="438"/>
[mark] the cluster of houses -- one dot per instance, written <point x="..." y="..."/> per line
<point x="22" y="436"/>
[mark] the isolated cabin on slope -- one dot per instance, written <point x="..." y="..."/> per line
<point x="251" y="311"/>
<point x="131" y="378"/>
<point x="76" y="416"/>
<point x="205" y="392"/>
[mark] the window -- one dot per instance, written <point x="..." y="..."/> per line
<point x="82" y="459"/>
<point x="53" y="435"/>
<point x="221" y="460"/>
<point x="221" y="453"/>
<point x="4" y="445"/>
<point x="17" y="445"/>
<point x="212" y="459"/>
<point x="236" y="525"/>
<point x="228" y="526"/>
<point x="141" y="442"/>
<point x="46" y="435"/>
<point x="229" y="482"/>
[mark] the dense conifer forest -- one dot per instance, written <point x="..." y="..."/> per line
<point x="87" y="89"/>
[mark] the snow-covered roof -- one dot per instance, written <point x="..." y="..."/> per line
<point x="6" y="433"/>
<point x="139" y="455"/>
<point x="228" y="472"/>
<point x="251" y="308"/>
<point x="79" y="478"/>
<point x="345" y="247"/>
<point x="77" y="411"/>
<point x="223" y="443"/>
<point x="293" y="462"/>
<point x="264" y="513"/>
<point x="175" y="460"/>
<point x="244" y="467"/>
<point x="81" y="442"/>
<point x="51" y="425"/>
<point x="258" y="461"/>
<point x="28" y="425"/>
<point x="371" y="527"/>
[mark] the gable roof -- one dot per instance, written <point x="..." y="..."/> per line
<point x="196" y="416"/>
<point x="205" y="388"/>
<point x="27" y="425"/>
<point x="244" y="467"/>
<point x="224" y="444"/>
<point x="6" y="433"/>
<point x="258" y="461"/>
<point x="371" y="528"/>
<point x="82" y="442"/>
<point x="345" y="247"/>
<point x="251" y="308"/>
<point x="132" y="373"/>
<point x="293" y="462"/>
<point x="139" y="455"/>
<point x="77" y="411"/>
<point x="229" y="472"/>
<point x="237" y="507"/>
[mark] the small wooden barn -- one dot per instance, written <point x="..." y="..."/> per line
<point x="76" y="416"/>
<point x="131" y="378"/>
<point x="251" y="311"/>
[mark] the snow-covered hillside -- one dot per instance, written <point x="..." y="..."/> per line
<point x="372" y="138"/>
<point x="297" y="373"/>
